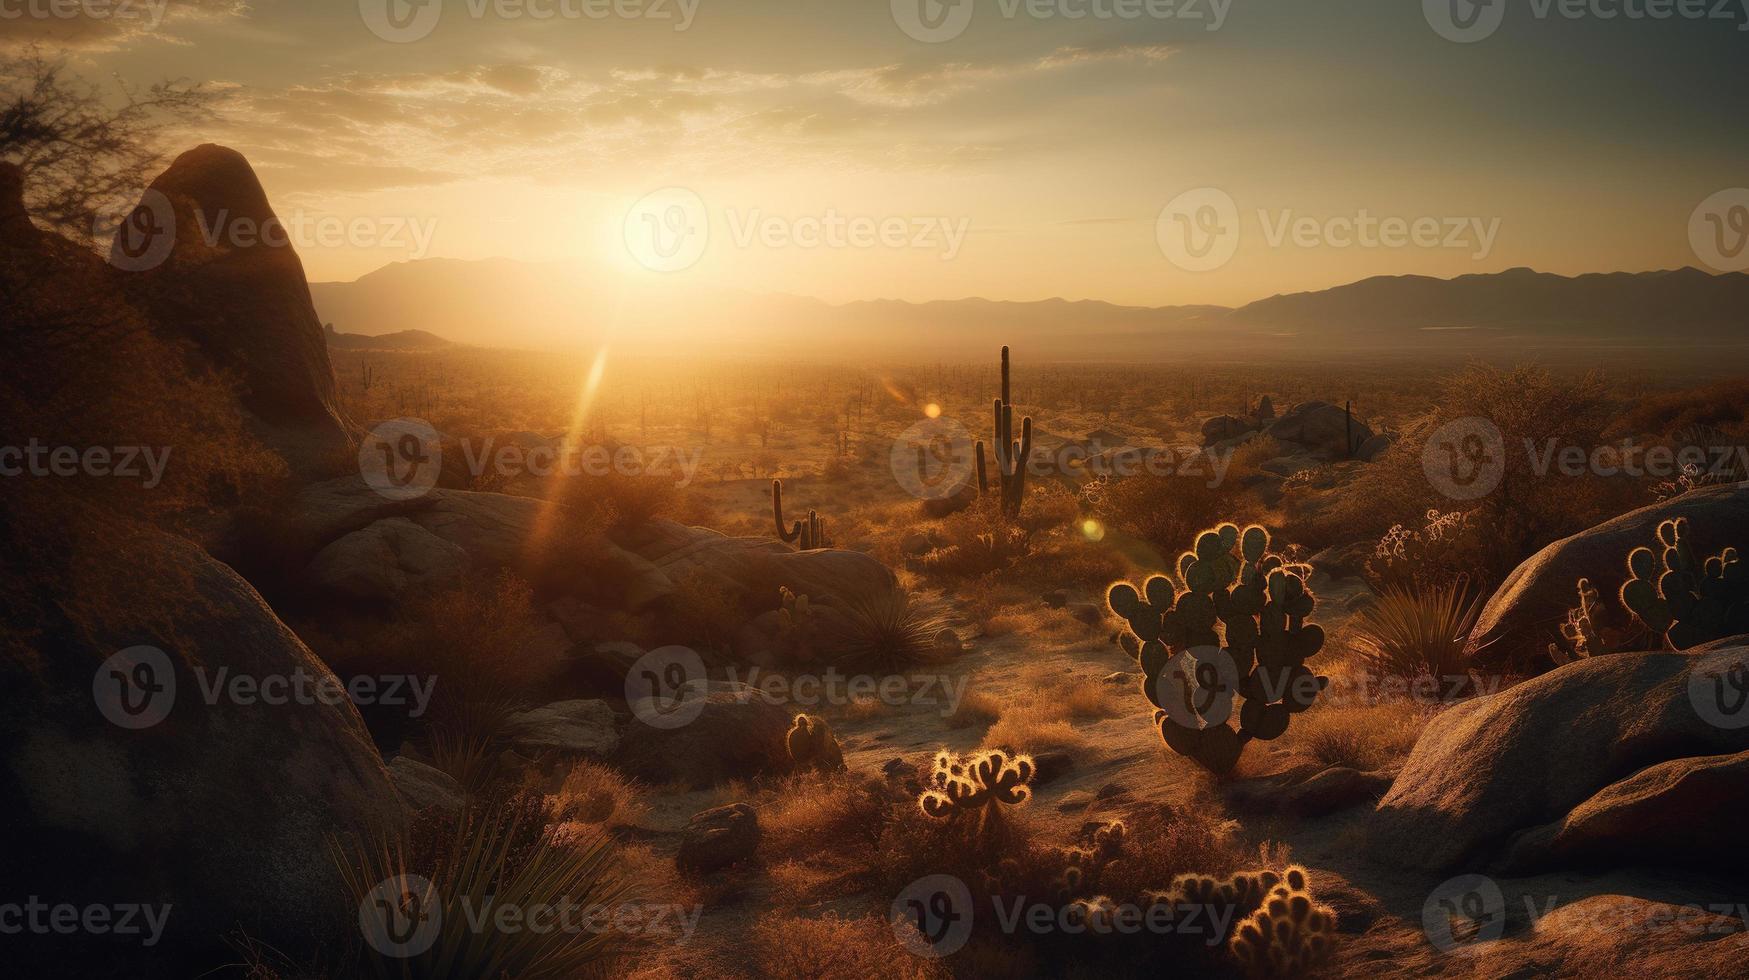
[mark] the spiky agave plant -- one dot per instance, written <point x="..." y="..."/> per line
<point x="492" y="859"/>
<point x="1417" y="632"/>
<point x="890" y="632"/>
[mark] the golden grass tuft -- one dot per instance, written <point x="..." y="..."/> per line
<point x="832" y="948"/>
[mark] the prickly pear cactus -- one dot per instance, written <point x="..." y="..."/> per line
<point x="1237" y="629"/>
<point x="812" y="745"/>
<point x="1683" y="599"/>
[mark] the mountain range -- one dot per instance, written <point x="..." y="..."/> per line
<point x="505" y="303"/>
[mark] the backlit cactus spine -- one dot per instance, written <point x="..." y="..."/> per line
<point x="1230" y="579"/>
<point x="1290" y="935"/>
<point x="976" y="788"/>
<point x="1685" y="600"/>
<point x="812" y="745"/>
<point x="805" y="535"/>
<point x="1012" y="454"/>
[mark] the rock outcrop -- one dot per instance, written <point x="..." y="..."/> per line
<point x="1525" y="613"/>
<point x="207" y="768"/>
<point x="231" y="281"/>
<point x="1582" y="761"/>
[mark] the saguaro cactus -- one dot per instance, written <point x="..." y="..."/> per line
<point x="805" y="535"/>
<point x="1012" y="454"/>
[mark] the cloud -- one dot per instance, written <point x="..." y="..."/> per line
<point x="554" y="124"/>
<point x="107" y="25"/>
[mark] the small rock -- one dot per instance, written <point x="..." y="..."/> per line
<point x="425" y="787"/>
<point x="1091" y="613"/>
<point x="717" y="838"/>
<point x="1123" y="678"/>
<point x="915" y="544"/>
<point x="1057" y="599"/>
<point x="1110" y="791"/>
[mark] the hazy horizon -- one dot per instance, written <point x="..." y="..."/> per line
<point x="1015" y="152"/>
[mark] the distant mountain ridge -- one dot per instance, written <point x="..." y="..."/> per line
<point x="505" y="303"/>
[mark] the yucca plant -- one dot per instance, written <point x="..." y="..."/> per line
<point x="890" y="632"/>
<point x="491" y="859"/>
<point x="1418" y="632"/>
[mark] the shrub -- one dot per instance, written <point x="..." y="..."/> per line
<point x="1443" y="550"/>
<point x="889" y="633"/>
<point x="488" y="858"/>
<point x="1417" y="632"/>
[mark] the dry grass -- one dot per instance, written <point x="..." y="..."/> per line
<point x="831" y="948"/>
<point x="975" y="708"/>
<point x="1362" y="737"/>
<point x="596" y="794"/>
<point x="1042" y="718"/>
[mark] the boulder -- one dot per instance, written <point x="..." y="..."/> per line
<point x="717" y="838"/>
<point x="492" y="530"/>
<point x="1311" y="792"/>
<point x="1224" y="427"/>
<point x="568" y="727"/>
<point x="1507" y="765"/>
<point x="1524" y="615"/>
<point x="222" y="804"/>
<point x="384" y="561"/>
<point x="232" y="283"/>
<point x="734" y="732"/>
<point x="424" y="787"/>
<point x="1373" y="448"/>
<point x="1685" y="811"/>
<point x="752" y="569"/>
<point x="1321" y="426"/>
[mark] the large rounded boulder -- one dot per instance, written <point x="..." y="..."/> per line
<point x="1595" y="759"/>
<point x="169" y="743"/>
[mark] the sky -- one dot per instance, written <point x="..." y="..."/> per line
<point x="1143" y="152"/>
